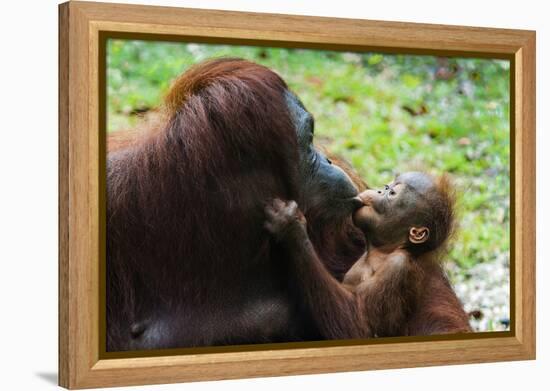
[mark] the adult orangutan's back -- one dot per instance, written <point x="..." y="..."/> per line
<point x="186" y="255"/>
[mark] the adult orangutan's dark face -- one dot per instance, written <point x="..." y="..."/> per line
<point x="323" y="184"/>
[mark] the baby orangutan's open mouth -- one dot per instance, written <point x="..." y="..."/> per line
<point x="357" y="203"/>
<point x="364" y="199"/>
<point x="360" y="216"/>
<point x="364" y="214"/>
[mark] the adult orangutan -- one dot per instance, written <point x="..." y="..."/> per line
<point x="188" y="260"/>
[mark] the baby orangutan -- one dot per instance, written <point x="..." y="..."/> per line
<point x="405" y="224"/>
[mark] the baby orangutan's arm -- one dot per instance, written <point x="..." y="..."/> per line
<point x="377" y="295"/>
<point x="335" y="310"/>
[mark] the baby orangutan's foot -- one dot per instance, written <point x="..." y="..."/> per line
<point x="284" y="218"/>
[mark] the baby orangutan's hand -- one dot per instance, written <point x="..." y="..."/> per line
<point x="284" y="218"/>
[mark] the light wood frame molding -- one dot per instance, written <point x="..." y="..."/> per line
<point x="82" y="159"/>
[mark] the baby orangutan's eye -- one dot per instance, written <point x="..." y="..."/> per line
<point x="386" y="187"/>
<point x="392" y="192"/>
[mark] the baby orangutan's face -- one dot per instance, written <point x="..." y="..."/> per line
<point x="389" y="213"/>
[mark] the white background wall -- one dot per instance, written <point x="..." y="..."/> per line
<point x="28" y="193"/>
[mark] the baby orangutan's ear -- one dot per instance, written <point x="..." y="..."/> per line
<point x="419" y="235"/>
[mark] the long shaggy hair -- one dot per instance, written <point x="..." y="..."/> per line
<point x="185" y="195"/>
<point x="185" y="211"/>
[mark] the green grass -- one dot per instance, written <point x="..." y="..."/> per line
<point x="384" y="113"/>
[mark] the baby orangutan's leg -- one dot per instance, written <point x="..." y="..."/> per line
<point x="390" y="294"/>
<point x="334" y="309"/>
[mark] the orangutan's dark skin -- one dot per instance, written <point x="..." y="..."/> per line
<point x="406" y="226"/>
<point x="188" y="262"/>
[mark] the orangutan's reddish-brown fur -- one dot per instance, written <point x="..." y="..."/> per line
<point x="397" y="287"/>
<point x="188" y="263"/>
<point x="184" y="208"/>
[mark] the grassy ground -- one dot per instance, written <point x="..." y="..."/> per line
<point x="385" y="114"/>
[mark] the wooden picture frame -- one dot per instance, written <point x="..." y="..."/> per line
<point x="83" y="27"/>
